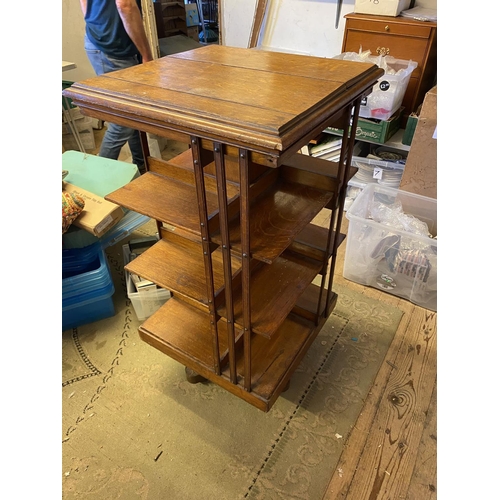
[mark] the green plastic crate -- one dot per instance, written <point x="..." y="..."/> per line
<point x="411" y="125"/>
<point x="378" y="131"/>
<point x="66" y="101"/>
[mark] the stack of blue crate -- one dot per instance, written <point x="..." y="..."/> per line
<point x="87" y="284"/>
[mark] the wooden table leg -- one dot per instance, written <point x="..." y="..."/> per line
<point x="192" y="377"/>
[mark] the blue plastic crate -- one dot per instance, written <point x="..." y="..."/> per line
<point x="88" y="296"/>
<point x="96" y="306"/>
<point x="76" y="261"/>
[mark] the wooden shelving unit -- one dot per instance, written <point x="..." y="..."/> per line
<point x="237" y="246"/>
<point x="170" y="18"/>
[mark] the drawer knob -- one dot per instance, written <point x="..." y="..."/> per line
<point x="387" y="28"/>
<point x="382" y="51"/>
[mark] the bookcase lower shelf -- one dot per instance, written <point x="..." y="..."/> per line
<point x="183" y="333"/>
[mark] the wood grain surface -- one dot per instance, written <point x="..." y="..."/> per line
<point x="235" y="95"/>
<point x="391" y="452"/>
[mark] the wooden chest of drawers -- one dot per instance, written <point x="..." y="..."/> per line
<point x="403" y="39"/>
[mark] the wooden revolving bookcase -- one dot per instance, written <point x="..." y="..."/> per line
<point x="237" y="248"/>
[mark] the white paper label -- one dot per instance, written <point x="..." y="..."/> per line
<point x="377" y="173"/>
<point x="103" y="224"/>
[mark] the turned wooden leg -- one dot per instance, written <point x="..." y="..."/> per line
<point x="192" y="377"/>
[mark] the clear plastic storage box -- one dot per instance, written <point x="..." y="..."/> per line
<point x="388" y="93"/>
<point x="386" y="173"/>
<point x="146" y="302"/>
<point x="392" y="245"/>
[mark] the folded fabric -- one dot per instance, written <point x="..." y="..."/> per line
<point x="72" y="206"/>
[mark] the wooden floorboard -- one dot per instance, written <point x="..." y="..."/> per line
<point x="390" y="453"/>
<point x="423" y="484"/>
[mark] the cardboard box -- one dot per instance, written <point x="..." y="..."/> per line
<point x="192" y="17"/>
<point x="99" y="215"/>
<point x="75" y="115"/>
<point x="381" y="8"/>
<point x="378" y="131"/>
<point x="420" y="173"/>
<point x="193" y="33"/>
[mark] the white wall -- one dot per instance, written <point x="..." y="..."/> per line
<point x="306" y="26"/>
<point x="73" y="29"/>
<point x="301" y="26"/>
<point x="236" y="21"/>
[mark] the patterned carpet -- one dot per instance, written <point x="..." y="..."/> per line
<point x="134" y="428"/>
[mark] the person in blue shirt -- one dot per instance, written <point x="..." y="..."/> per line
<point x="115" y="39"/>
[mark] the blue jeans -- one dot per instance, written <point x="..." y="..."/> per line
<point x="116" y="135"/>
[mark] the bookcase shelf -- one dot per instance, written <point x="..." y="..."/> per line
<point x="238" y="249"/>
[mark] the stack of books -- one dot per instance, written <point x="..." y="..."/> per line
<point x="329" y="149"/>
